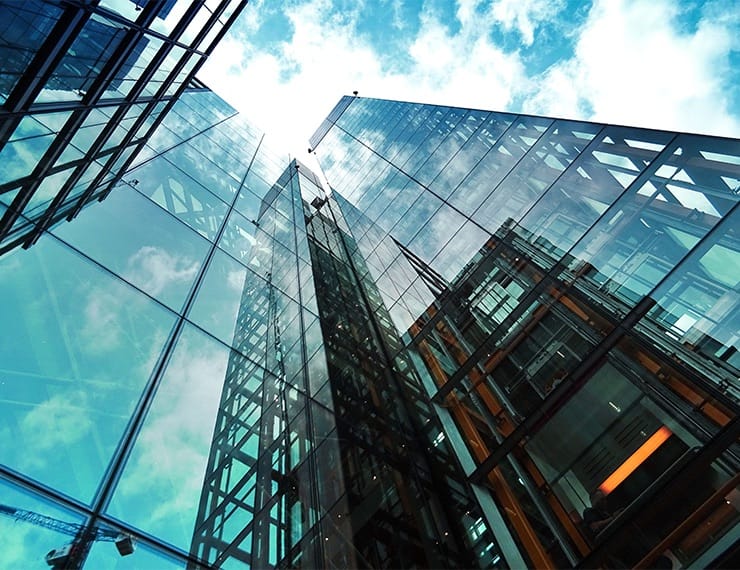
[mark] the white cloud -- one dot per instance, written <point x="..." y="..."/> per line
<point x="235" y="280"/>
<point x="291" y="88"/>
<point x="177" y="433"/>
<point x="101" y="331"/>
<point x="252" y="18"/>
<point x="154" y="269"/>
<point x="56" y="423"/>
<point x="485" y="76"/>
<point x="397" y="21"/>
<point x="17" y="541"/>
<point x="150" y="268"/>
<point x="634" y="65"/>
<point x="524" y="15"/>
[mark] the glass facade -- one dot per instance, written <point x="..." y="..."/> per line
<point x="82" y="87"/>
<point x="566" y="292"/>
<point x="489" y="341"/>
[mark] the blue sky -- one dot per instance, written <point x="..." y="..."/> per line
<point x="655" y="63"/>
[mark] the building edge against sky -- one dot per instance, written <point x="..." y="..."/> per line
<point x="568" y="290"/>
<point x="491" y="317"/>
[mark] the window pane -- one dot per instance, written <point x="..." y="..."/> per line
<point x="531" y="177"/>
<point x="131" y="70"/>
<point x="696" y="314"/>
<point x="180" y="195"/>
<point x="23" y="544"/>
<point x="141" y="242"/>
<point x="78" y="347"/>
<point x="589" y="186"/>
<point x="105" y="555"/>
<point x="219" y="299"/>
<point x="655" y="224"/>
<point x="177" y="432"/>
<point x="84" y="60"/>
<point x="23" y="26"/>
<point x="18" y="158"/>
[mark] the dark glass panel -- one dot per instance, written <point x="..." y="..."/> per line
<point x="84" y="60"/>
<point x="23" y="26"/>
<point x="696" y="311"/>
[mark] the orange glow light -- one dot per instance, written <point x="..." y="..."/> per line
<point x="635" y="460"/>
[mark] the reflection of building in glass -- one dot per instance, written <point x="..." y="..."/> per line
<point x="261" y="503"/>
<point x="82" y="88"/>
<point x="490" y="323"/>
<point x="124" y="326"/>
<point x="339" y="478"/>
<point x="569" y="294"/>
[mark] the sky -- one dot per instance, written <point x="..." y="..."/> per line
<point x="664" y="64"/>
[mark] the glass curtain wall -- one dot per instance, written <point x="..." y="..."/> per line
<point x="161" y="367"/>
<point x="273" y="495"/>
<point x="82" y="86"/>
<point x="408" y="502"/>
<point x="568" y="292"/>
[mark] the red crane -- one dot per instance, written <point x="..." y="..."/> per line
<point x="71" y="555"/>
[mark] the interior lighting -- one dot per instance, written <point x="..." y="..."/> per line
<point x="635" y="460"/>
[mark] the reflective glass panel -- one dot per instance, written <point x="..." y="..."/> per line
<point x="655" y="224"/>
<point x="19" y="157"/>
<point x="45" y="193"/>
<point x="141" y="242"/>
<point x="531" y="176"/>
<point x="590" y="185"/>
<point x="180" y="195"/>
<point x="106" y="555"/>
<point x="23" y="26"/>
<point x="160" y="488"/>
<point x="169" y="15"/>
<point x="225" y="289"/>
<point x="697" y="313"/>
<point x="206" y="172"/>
<point x="24" y="544"/>
<point x="508" y="150"/>
<point x="84" y="60"/>
<point x="78" y="347"/>
<point x="460" y="250"/>
<point x="132" y="69"/>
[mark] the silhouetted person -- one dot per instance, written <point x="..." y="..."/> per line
<point x="598" y="516"/>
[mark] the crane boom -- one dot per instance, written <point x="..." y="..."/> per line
<point x="70" y="529"/>
<point x="71" y="556"/>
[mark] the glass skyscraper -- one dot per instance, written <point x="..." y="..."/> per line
<point x="470" y="340"/>
<point x="82" y="87"/>
<point x="568" y="295"/>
